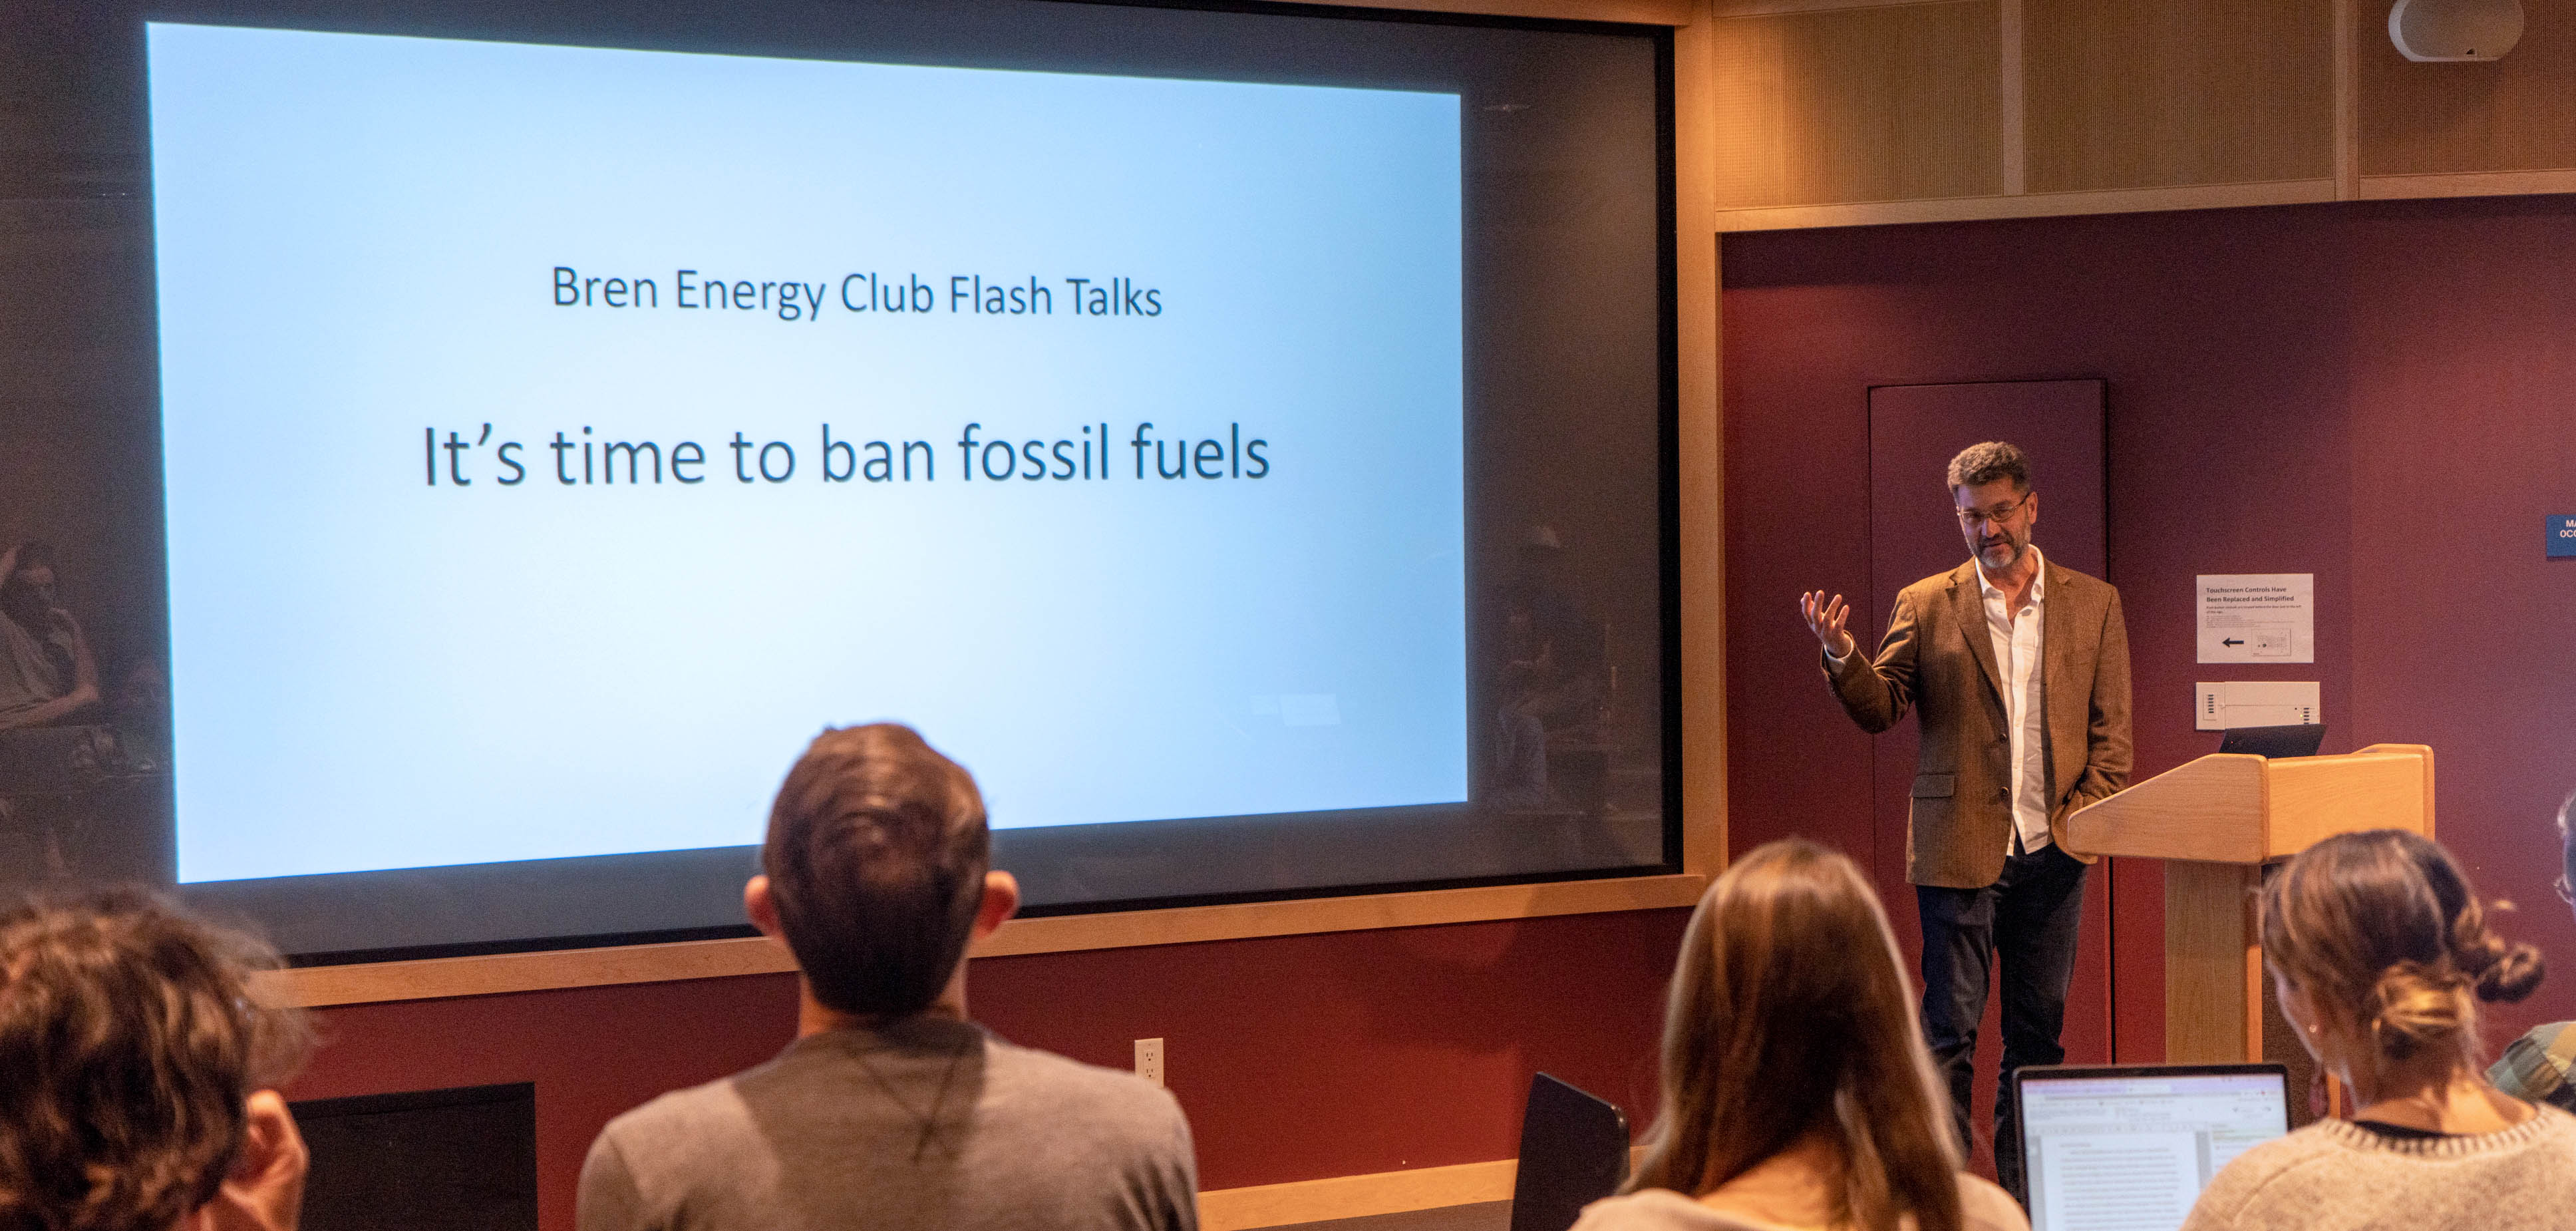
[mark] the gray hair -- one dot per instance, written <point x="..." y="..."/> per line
<point x="1980" y="464"/>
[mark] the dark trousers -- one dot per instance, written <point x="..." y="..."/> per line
<point x="2029" y="916"/>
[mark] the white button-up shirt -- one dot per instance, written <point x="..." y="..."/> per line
<point x="2015" y="637"/>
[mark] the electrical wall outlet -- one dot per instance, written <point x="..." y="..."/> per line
<point x="1149" y="1060"/>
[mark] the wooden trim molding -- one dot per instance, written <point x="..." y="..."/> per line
<point x="2053" y="204"/>
<point x="439" y="978"/>
<point x="1189" y="924"/>
<point x="2347" y="100"/>
<point x="1363" y="1196"/>
<point x="1776" y="8"/>
<point x="2465" y="184"/>
<point x="316" y="987"/>
<point x="2137" y="200"/>
<point x="2013" y="100"/>
<point x="1700" y="441"/>
<point x="1632" y="12"/>
<point x="1356" y="1196"/>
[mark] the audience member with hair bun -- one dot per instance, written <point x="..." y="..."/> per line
<point x="137" y="1068"/>
<point x="2540" y="1067"/>
<point x="2380" y="953"/>
<point x="1796" y="1089"/>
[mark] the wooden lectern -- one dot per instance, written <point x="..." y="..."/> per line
<point x="2216" y="822"/>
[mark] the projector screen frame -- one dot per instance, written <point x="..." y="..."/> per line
<point x="1687" y="499"/>
<point x="1693" y="583"/>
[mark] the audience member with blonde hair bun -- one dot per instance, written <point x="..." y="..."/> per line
<point x="2380" y="955"/>
<point x="1796" y="1090"/>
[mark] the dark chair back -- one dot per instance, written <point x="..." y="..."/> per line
<point x="1574" y="1151"/>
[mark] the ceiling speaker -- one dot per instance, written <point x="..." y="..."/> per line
<point x="2440" y="31"/>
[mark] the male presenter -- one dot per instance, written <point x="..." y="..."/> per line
<point x="2020" y="671"/>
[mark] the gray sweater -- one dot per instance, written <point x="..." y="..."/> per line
<point x="2332" y="1176"/>
<point x="931" y="1123"/>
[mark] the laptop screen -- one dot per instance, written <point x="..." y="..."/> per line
<point x="2130" y="1148"/>
<point x="2299" y="740"/>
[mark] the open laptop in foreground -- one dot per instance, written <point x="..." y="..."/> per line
<point x="2129" y="1147"/>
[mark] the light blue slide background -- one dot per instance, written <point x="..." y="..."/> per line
<point x="355" y="238"/>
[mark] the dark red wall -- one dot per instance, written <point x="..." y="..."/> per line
<point x="2464" y="439"/>
<point x="1296" y="1058"/>
<point x="2377" y="394"/>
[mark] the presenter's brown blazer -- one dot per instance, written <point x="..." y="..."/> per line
<point x="1939" y="660"/>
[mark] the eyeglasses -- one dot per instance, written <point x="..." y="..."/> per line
<point x="1996" y="515"/>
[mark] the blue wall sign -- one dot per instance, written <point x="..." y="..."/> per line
<point x="2562" y="535"/>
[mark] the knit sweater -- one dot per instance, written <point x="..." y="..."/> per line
<point x="2334" y="1176"/>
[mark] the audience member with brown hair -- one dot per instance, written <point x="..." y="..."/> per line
<point x="892" y="1110"/>
<point x="2380" y="953"/>
<point x="1796" y="1089"/>
<point x="138" y="1069"/>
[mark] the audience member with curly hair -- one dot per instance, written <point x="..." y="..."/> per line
<point x="139" y="1068"/>
<point x="2380" y="953"/>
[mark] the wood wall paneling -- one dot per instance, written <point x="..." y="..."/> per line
<point x="1838" y="113"/>
<point x="1869" y="104"/>
<point x="2160" y="93"/>
<point x="2513" y="114"/>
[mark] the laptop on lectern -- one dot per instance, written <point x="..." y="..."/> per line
<point x="2131" y="1146"/>
<point x="2297" y="740"/>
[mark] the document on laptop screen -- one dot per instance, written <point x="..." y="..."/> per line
<point x="2133" y="1153"/>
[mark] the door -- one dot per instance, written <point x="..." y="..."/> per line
<point x="1914" y="430"/>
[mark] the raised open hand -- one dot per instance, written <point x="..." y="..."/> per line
<point x="1825" y="618"/>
